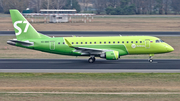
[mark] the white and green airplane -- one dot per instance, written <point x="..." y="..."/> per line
<point x="110" y="48"/>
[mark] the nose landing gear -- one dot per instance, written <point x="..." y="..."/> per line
<point x="150" y="58"/>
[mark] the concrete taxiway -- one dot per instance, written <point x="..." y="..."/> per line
<point x="81" y="65"/>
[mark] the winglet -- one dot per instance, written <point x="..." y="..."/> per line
<point x="68" y="43"/>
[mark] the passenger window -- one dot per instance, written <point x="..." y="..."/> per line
<point x="140" y="41"/>
<point x="90" y="42"/>
<point x="136" y="41"/>
<point x="131" y="41"/>
<point x="122" y="41"/>
<point x="109" y="42"/>
<point x="58" y="42"/>
<point x="81" y="42"/>
<point x="114" y="42"/>
<point x="85" y="42"/>
<point x="63" y="43"/>
<point x="100" y="42"/>
<point x="94" y="42"/>
<point x="104" y="42"/>
<point x="127" y="42"/>
<point x="118" y="42"/>
<point x="76" y="42"/>
<point x="72" y="42"/>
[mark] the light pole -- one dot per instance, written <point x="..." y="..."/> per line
<point x="48" y="5"/>
<point x="71" y="3"/>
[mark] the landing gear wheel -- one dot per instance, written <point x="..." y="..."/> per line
<point x="150" y="60"/>
<point x="92" y="60"/>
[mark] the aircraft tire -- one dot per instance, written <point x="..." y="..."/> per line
<point x="151" y="60"/>
<point x="91" y="60"/>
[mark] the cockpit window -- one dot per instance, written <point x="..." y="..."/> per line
<point x="157" y="41"/>
<point x="161" y="40"/>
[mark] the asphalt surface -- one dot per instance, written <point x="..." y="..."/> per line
<point x="95" y="33"/>
<point x="81" y="65"/>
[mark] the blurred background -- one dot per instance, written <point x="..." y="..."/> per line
<point x="110" y="7"/>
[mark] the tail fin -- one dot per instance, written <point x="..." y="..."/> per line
<point x="23" y="29"/>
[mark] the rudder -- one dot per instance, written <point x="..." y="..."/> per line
<point x="23" y="29"/>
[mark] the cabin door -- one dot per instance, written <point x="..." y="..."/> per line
<point x="147" y="43"/>
<point x="52" y="45"/>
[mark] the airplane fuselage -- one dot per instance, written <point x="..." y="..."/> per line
<point x="123" y="44"/>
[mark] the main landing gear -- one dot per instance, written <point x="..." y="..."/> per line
<point x="92" y="59"/>
<point x="150" y="58"/>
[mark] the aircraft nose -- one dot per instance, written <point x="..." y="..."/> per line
<point x="170" y="48"/>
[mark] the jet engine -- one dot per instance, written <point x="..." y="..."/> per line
<point x="110" y="55"/>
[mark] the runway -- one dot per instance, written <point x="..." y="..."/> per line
<point x="96" y="33"/>
<point x="81" y="65"/>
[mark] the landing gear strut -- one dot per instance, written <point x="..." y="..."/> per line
<point x="150" y="58"/>
<point x="92" y="59"/>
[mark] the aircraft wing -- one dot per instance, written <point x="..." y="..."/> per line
<point x="87" y="51"/>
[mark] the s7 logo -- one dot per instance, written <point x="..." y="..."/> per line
<point x="19" y="29"/>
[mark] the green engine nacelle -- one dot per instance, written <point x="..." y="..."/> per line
<point x="111" y="55"/>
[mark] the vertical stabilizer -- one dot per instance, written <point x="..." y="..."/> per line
<point x="23" y="29"/>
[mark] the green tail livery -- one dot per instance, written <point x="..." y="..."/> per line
<point x="110" y="48"/>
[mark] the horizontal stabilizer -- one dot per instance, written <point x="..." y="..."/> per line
<point x="25" y="43"/>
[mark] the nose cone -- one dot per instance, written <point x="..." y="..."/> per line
<point x="170" y="48"/>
